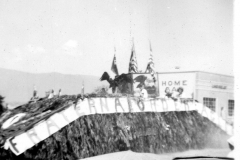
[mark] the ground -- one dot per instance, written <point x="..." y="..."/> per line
<point x="129" y="155"/>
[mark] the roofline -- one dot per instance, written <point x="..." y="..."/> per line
<point x="195" y="72"/>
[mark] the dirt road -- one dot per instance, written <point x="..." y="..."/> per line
<point x="129" y="155"/>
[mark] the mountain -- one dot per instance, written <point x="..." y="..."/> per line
<point x="17" y="86"/>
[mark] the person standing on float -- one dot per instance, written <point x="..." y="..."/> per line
<point x="143" y="92"/>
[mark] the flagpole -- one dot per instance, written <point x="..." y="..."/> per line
<point x="114" y="57"/>
<point x="133" y="60"/>
<point x="114" y="64"/>
<point x="150" y="46"/>
<point x="82" y="88"/>
<point x="134" y="50"/>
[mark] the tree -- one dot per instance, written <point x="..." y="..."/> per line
<point x="2" y="108"/>
<point x="101" y="90"/>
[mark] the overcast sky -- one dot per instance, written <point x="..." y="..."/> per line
<point x="78" y="36"/>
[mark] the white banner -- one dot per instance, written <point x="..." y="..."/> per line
<point x="55" y="122"/>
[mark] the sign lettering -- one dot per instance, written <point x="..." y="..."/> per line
<point x="104" y="104"/>
<point x="91" y="104"/>
<point x="33" y="136"/>
<point x="169" y="84"/>
<point x="219" y="87"/>
<point x="174" y="83"/>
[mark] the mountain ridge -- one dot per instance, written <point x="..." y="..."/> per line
<point x="17" y="86"/>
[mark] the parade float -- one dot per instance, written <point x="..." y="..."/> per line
<point x="86" y="125"/>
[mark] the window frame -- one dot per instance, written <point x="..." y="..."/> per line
<point x="230" y="107"/>
<point x="211" y="103"/>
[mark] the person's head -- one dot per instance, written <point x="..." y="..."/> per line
<point x="141" y="87"/>
<point x="180" y="90"/>
<point x="47" y="93"/>
<point x="149" y="82"/>
<point x="167" y="90"/>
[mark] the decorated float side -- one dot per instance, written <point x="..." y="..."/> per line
<point x="81" y="126"/>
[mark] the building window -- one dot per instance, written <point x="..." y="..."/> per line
<point x="230" y="107"/>
<point x="210" y="103"/>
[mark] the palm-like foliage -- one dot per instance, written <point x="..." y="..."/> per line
<point x="2" y="109"/>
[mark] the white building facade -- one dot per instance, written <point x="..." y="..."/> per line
<point x="216" y="91"/>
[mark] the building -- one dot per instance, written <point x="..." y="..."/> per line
<point x="216" y="91"/>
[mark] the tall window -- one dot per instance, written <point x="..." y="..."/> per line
<point x="230" y="107"/>
<point x="210" y="103"/>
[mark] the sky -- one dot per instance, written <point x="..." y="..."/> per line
<point x="79" y="36"/>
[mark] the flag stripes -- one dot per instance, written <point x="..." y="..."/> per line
<point x="150" y="66"/>
<point x="133" y="66"/>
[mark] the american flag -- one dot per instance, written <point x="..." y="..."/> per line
<point x="114" y="66"/>
<point x="150" y="66"/>
<point x="133" y="67"/>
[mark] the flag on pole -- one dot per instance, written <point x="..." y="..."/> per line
<point x="150" y="66"/>
<point x="83" y="88"/>
<point x="133" y="67"/>
<point x="34" y="91"/>
<point x="114" y="66"/>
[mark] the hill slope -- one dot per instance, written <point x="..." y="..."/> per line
<point x="17" y="87"/>
<point x="96" y="134"/>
